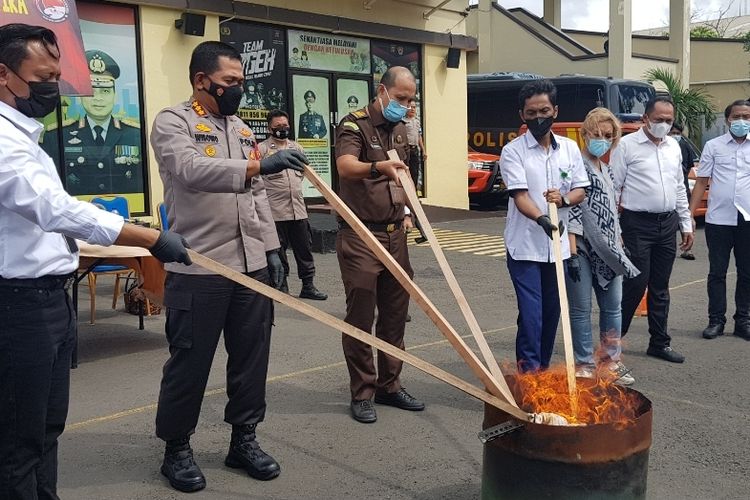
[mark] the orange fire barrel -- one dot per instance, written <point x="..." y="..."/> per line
<point x="597" y="461"/>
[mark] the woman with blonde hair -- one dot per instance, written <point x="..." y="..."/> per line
<point x="597" y="258"/>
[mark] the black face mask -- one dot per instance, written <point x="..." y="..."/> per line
<point x="281" y="133"/>
<point x="42" y="100"/>
<point x="540" y="126"/>
<point x="227" y="98"/>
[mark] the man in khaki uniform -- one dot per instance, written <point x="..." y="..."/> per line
<point x="284" y="191"/>
<point x="209" y="164"/>
<point x="368" y="184"/>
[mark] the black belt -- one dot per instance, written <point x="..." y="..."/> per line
<point x="52" y="282"/>
<point x="651" y="215"/>
<point x="385" y="227"/>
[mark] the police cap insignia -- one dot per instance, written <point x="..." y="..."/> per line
<point x="309" y="95"/>
<point x="101" y="64"/>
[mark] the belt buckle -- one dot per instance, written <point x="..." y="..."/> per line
<point x="390" y="227"/>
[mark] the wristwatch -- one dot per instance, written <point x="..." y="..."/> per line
<point x="374" y="174"/>
<point x="565" y="202"/>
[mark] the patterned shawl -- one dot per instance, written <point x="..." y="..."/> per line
<point x="596" y="217"/>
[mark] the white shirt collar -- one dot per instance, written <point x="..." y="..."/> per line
<point x="104" y="127"/>
<point x="531" y="141"/>
<point x="28" y="126"/>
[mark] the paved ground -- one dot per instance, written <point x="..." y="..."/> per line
<point x="701" y="435"/>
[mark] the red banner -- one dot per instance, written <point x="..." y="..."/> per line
<point x="61" y="17"/>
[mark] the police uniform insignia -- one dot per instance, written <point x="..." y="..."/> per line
<point x="210" y="151"/>
<point x="374" y="139"/>
<point x="202" y="127"/>
<point x="245" y="132"/>
<point x="127" y="155"/>
<point x="97" y="64"/>
<point x="74" y="140"/>
<point x="211" y="138"/>
<point x="399" y="139"/>
<point x="360" y="113"/>
<point x="351" y="125"/>
<point x="198" y="108"/>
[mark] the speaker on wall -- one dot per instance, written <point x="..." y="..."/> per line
<point x="454" y="58"/>
<point x="191" y="24"/>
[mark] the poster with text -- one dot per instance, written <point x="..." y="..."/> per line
<point x="264" y="63"/>
<point x="326" y="52"/>
<point x="101" y="144"/>
<point x="61" y="17"/>
<point x="311" y="111"/>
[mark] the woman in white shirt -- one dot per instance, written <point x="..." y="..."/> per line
<point x="597" y="257"/>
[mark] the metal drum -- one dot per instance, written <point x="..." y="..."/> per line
<point x="599" y="461"/>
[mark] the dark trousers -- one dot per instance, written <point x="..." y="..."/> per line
<point x="296" y="234"/>
<point x="37" y="333"/>
<point x="368" y="284"/>
<point x="651" y="241"/>
<point x="721" y="240"/>
<point x="199" y="307"/>
<point x="538" y="312"/>
<point x="415" y="164"/>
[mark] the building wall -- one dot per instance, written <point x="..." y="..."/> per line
<point x="445" y="105"/>
<point x="166" y="54"/>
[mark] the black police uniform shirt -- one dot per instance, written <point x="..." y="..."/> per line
<point x="90" y="168"/>
<point x="311" y="126"/>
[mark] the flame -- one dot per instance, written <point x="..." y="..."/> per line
<point x="597" y="401"/>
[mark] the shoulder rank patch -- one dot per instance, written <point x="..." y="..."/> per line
<point x="202" y="127"/>
<point x="210" y="151"/>
<point x="360" y="113"/>
<point x="351" y="125"/>
<point x="198" y="108"/>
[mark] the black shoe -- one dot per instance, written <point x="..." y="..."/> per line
<point x="742" y="330"/>
<point x="245" y="453"/>
<point x="687" y="255"/>
<point x="713" y="330"/>
<point x="408" y="317"/>
<point x="419" y="240"/>
<point x="180" y="468"/>
<point x="363" y="411"/>
<point x="284" y="286"/>
<point x="666" y="353"/>
<point x="400" y="399"/>
<point x="310" y="292"/>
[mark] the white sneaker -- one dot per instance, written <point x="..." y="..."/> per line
<point x="584" y="371"/>
<point x="621" y="373"/>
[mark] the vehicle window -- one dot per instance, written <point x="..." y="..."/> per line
<point x="575" y="100"/>
<point x="633" y="98"/>
<point x="488" y="109"/>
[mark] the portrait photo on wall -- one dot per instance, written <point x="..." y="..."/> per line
<point x="311" y="111"/>
<point x="99" y="147"/>
<point x="351" y="95"/>
<point x="263" y="52"/>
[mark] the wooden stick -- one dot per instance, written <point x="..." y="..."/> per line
<point x="564" y="313"/>
<point x="463" y="304"/>
<point x="492" y="385"/>
<point x="358" y="334"/>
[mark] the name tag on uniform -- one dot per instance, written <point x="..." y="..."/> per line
<point x="207" y="138"/>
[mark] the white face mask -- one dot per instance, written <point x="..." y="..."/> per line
<point x="659" y="130"/>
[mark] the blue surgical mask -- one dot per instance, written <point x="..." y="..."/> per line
<point x="598" y="147"/>
<point x="739" y="128"/>
<point x="394" y="112"/>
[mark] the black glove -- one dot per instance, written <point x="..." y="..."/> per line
<point x="171" y="247"/>
<point x="574" y="267"/>
<point x="285" y="158"/>
<point x="561" y="225"/>
<point x="275" y="269"/>
<point x="546" y="223"/>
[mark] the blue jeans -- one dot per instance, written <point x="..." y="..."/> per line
<point x="610" y="315"/>
<point x="538" y="312"/>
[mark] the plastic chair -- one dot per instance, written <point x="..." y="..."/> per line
<point x="118" y="205"/>
<point x="163" y="221"/>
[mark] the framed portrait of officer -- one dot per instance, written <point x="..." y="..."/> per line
<point x="98" y="142"/>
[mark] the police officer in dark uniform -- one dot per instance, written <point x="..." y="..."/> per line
<point x="311" y="123"/>
<point x="368" y="184"/>
<point x="102" y="154"/>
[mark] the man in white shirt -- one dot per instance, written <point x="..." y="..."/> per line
<point x="726" y="163"/>
<point x="647" y="166"/>
<point x="38" y="256"/>
<point x="539" y="168"/>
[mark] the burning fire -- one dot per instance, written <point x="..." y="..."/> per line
<point x="598" y="401"/>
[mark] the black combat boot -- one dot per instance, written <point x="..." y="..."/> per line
<point x="180" y="468"/>
<point x="310" y="292"/>
<point x="245" y="453"/>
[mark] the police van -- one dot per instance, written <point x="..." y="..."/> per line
<point x="494" y="120"/>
